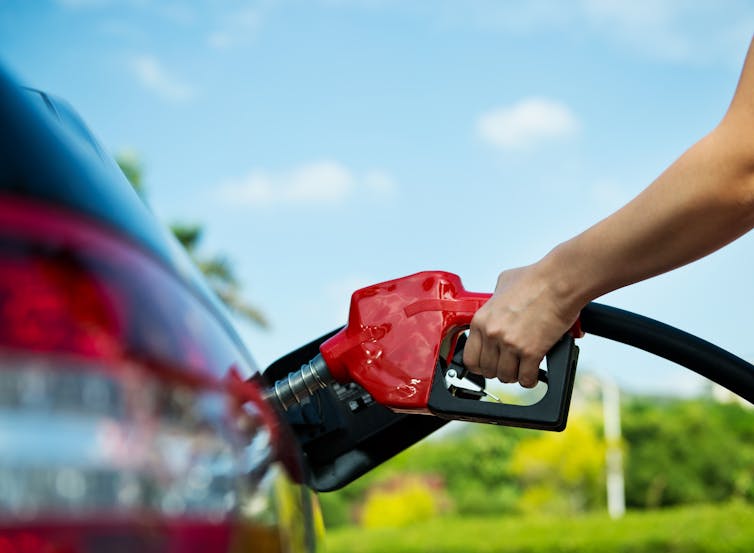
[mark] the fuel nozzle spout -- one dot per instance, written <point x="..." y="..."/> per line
<point x="299" y="385"/>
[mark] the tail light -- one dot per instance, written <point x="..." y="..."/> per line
<point x="122" y="427"/>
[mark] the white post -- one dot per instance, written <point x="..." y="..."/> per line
<point x="616" y="500"/>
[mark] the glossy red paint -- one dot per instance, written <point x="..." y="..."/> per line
<point x="395" y="330"/>
<point x="78" y="299"/>
<point x="118" y="535"/>
<point x="70" y="285"/>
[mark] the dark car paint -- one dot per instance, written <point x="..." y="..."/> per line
<point x="48" y="154"/>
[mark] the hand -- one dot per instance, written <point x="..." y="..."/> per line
<point x="512" y="332"/>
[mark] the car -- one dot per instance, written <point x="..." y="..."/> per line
<point x="132" y="417"/>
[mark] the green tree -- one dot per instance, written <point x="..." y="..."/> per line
<point x="687" y="451"/>
<point x="562" y="473"/>
<point x="133" y="169"/>
<point x="216" y="267"/>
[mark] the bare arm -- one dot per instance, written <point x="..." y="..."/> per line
<point x="700" y="203"/>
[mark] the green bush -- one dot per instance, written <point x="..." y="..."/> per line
<point x="687" y="451"/>
<point x="561" y="473"/>
<point x="336" y="509"/>
<point x="473" y="464"/>
<point x="701" y="529"/>
<point x="677" y="452"/>
<point x="405" y="502"/>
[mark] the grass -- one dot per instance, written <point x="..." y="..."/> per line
<point x="701" y="529"/>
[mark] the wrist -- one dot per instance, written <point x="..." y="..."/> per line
<point x="569" y="282"/>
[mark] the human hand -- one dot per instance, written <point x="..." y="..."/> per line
<point x="511" y="333"/>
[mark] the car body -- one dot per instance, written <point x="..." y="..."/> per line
<point x="131" y="415"/>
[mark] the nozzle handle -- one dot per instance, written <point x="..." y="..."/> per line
<point x="549" y="413"/>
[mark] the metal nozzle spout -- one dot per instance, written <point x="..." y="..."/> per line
<point x="299" y="385"/>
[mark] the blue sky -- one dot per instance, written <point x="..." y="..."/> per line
<point x="330" y="144"/>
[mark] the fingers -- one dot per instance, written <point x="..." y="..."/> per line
<point x="492" y="359"/>
<point x="488" y="358"/>
<point x="507" y="366"/>
<point x="510" y="334"/>
<point x="511" y="367"/>
<point x="472" y="351"/>
<point x="528" y="372"/>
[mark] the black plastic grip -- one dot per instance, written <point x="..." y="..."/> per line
<point x="549" y="413"/>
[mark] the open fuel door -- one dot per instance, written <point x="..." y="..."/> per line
<point x="342" y="431"/>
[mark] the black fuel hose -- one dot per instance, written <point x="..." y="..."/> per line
<point x="700" y="356"/>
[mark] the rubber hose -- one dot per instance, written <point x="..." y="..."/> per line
<point x="700" y="356"/>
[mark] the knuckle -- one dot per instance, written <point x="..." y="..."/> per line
<point x="495" y="333"/>
<point x="480" y="317"/>
<point x="528" y="352"/>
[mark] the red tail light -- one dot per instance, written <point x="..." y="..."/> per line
<point x="119" y="424"/>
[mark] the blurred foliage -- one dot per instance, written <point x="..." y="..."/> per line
<point x="677" y="452"/>
<point x="402" y="502"/>
<point x="219" y="273"/>
<point x="562" y="473"/>
<point x="133" y="169"/>
<point x="473" y="464"/>
<point x="687" y="452"/>
<point x="217" y="269"/>
<point x="698" y="529"/>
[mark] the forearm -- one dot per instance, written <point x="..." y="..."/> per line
<point x="700" y="203"/>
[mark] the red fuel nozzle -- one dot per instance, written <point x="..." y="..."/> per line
<point x="394" y="334"/>
<point x="399" y="346"/>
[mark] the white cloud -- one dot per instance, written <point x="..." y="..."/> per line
<point x="178" y="13"/>
<point x="527" y="123"/>
<point x="122" y="30"/>
<point x="234" y="29"/>
<point x="676" y="31"/>
<point x="220" y="40"/>
<point x="379" y="182"/>
<point x="321" y="182"/>
<point x="649" y="27"/>
<point x="153" y="76"/>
